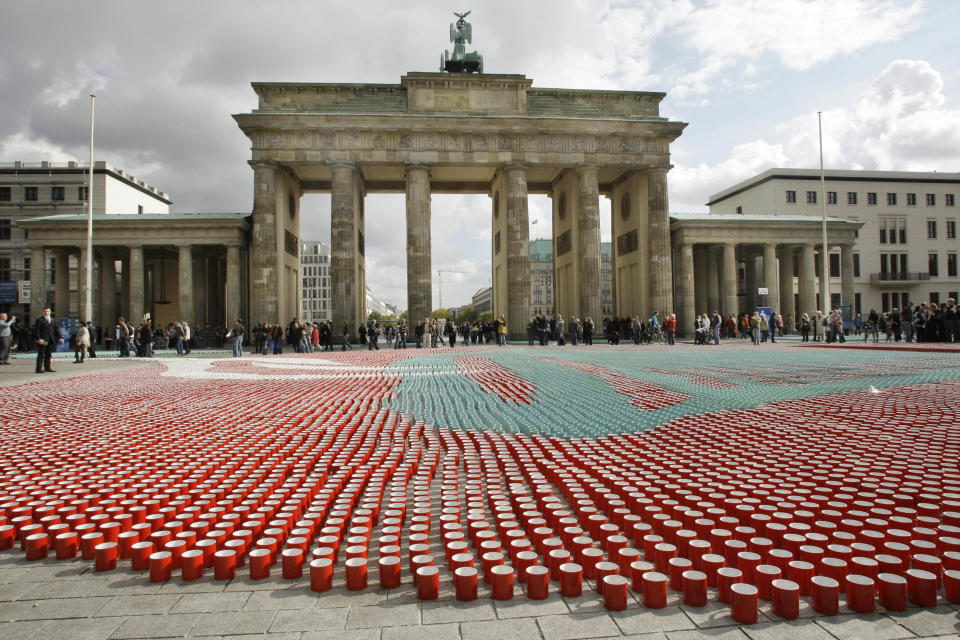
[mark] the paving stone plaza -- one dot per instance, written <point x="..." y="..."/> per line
<point x="814" y="489"/>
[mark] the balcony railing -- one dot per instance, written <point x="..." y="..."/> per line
<point x="899" y="276"/>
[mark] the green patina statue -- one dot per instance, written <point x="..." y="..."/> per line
<point x="461" y="34"/>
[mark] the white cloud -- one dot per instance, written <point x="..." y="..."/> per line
<point x="899" y="122"/>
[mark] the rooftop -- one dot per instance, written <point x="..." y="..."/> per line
<point x="74" y="167"/>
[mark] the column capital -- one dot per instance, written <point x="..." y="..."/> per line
<point x="585" y="168"/>
<point x="342" y="164"/>
<point x="417" y="166"/>
<point x="263" y="164"/>
<point x="659" y="169"/>
<point x="514" y="166"/>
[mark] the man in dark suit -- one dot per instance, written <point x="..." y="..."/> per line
<point x="47" y="334"/>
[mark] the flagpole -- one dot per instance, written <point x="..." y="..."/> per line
<point x="88" y="284"/>
<point x="825" y="303"/>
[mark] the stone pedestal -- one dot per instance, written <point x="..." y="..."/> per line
<point x="419" y="278"/>
<point x="661" y="271"/>
<point x="588" y="233"/>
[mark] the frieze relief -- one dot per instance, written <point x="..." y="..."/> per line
<point x="458" y="142"/>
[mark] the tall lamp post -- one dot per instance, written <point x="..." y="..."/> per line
<point x="825" y="304"/>
<point x="88" y="284"/>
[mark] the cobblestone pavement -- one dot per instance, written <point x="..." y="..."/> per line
<point x="518" y="438"/>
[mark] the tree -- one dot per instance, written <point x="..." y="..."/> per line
<point x="468" y="314"/>
<point x="441" y="314"/>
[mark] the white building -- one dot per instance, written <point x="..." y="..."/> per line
<point x="906" y="250"/>
<point x="315" y="281"/>
<point x="30" y="190"/>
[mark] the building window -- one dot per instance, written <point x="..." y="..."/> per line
<point x="948" y="200"/>
<point x="952" y="295"/>
<point x="871" y="198"/>
<point x="5" y="194"/>
<point x="740" y="210"/>
<point x="811" y="197"/>
<point x="934" y="297"/>
<point x="834" y="265"/>
<point x="856" y="265"/>
<point x="911" y="199"/>
<point x="791" y="197"/>
<point x="932" y="266"/>
<point x="885" y="302"/>
<point x="851" y="197"/>
<point x="26" y="268"/>
<point x="5" y="227"/>
<point x="931" y="228"/>
<point x="4" y="268"/>
<point x="892" y="199"/>
<point x="31" y="194"/>
<point x="952" y="265"/>
<point x="831" y="197"/>
<point x="951" y="228"/>
<point x="140" y="208"/>
<point x="931" y="199"/>
<point x="857" y="306"/>
<point x="903" y="234"/>
<point x="883" y="235"/>
<point x="56" y="194"/>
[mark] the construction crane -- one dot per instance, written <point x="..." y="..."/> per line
<point x="440" y="273"/>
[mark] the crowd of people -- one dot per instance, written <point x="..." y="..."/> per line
<point x="924" y="322"/>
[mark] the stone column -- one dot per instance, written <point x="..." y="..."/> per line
<point x="264" y="276"/>
<point x="685" y="271"/>
<point x="786" y="288"/>
<point x="751" y="282"/>
<point x="136" y="285"/>
<point x="713" y="280"/>
<point x="61" y="288"/>
<point x="108" y="290"/>
<point x="343" y="246"/>
<point x="588" y="235"/>
<point x="807" y="282"/>
<point x="846" y="276"/>
<point x="233" y="284"/>
<point x="661" y="272"/>
<point x="185" y="283"/>
<point x="770" y="276"/>
<point x="730" y="304"/>
<point x="419" y="278"/>
<point x="700" y="256"/>
<point x="38" y="282"/>
<point x="518" y="251"/>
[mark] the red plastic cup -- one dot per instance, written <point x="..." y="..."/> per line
<point x="106" y="555"/>
<point x="140" y="555"/>
<point x="224" y="564"/>
<point x="571" y="579"/>
<point x="764" y="575"/>
<point x="390" y="568"/>
<point x="193" y="562"/>
<point x="654" y="590"/>
<point x="501" y="582"/>
<point x="614" y="592"/>
<point x="465" y="581"/>
<point x="922" y="587"/>
<point x="744" y="603"/>
<point x="356" y="573"/>
<point x="291" y="561"/>
<point x="161" y="566"/>
<point x="66" y="545"/>
<point x="260" y="560"/>
<point x="860" y="591"/>
<point x="602" y="570"/>
<point x="321" y="574"/>
<point x="727" y="577"/>
<point x="427" y="580"/>
<point x="538" y="582"/>
<point x="825" y="595"/>
<point x="694" y="588"/>
<point x="951" y="585"/>
<point x="892" y="591"/>
<point x="37" y="546"/>
<point x="786" y="599"/>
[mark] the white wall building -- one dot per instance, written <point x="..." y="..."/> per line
<point x="31" y="190"/>
<point x="315" y="280"/>
<point x="907" y="248"/>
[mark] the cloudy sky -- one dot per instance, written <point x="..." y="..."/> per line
<point x="748" y="75"/>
